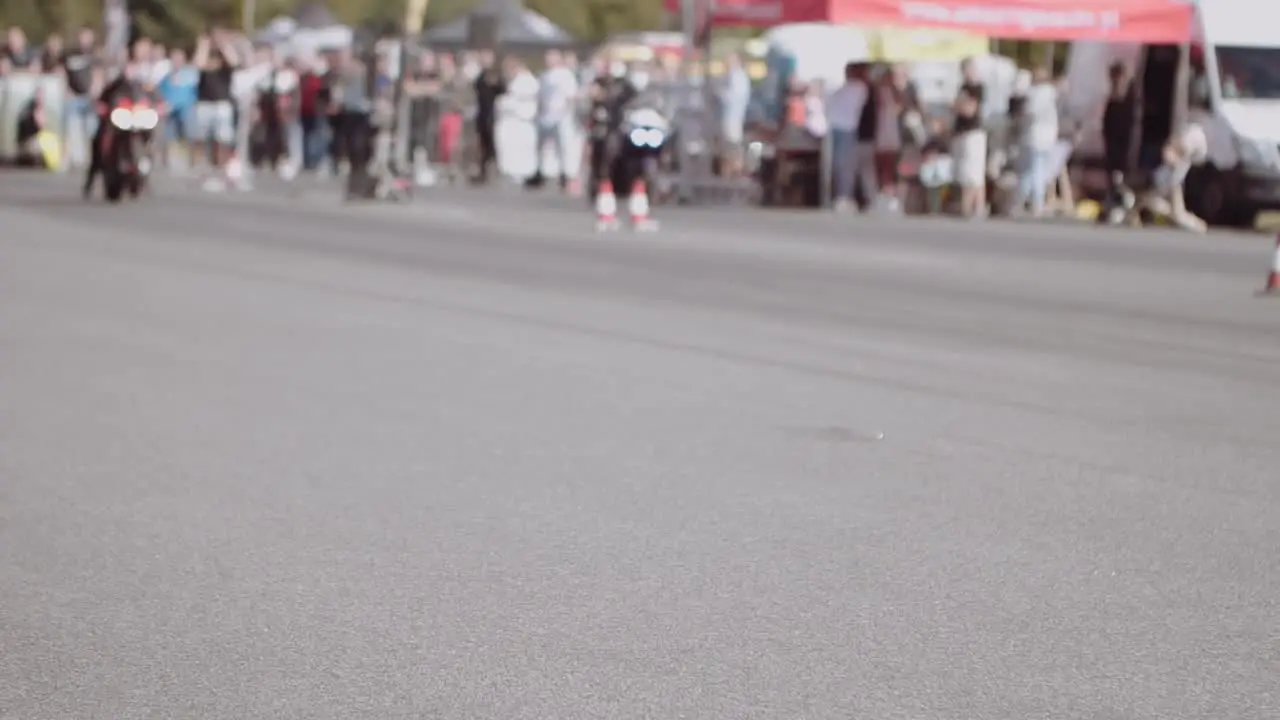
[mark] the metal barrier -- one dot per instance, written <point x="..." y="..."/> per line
<point x="17" y="90"/>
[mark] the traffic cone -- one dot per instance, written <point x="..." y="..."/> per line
<point x="1273" y="278"/>
<point x="638" y="207"/>
<point x="606" y="207"/>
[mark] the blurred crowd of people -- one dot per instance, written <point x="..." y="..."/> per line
<point x="880" y="132"/>
<point x="891" y="153"/>
<point x="471" y="115"/>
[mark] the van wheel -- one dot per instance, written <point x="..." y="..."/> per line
<point x="1208" y="195"/>
<point x="1242" y="219"/>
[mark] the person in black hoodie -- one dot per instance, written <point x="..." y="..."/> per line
<point x="1117" y="131"/>
<point x="865" y="150"/>
<point x="31" y="121"/>
<point x="610" y="94"/>
<point x="489" y="86"/>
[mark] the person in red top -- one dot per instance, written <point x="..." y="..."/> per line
<point x="313" y="110"/>
<point x="455" y="96"/>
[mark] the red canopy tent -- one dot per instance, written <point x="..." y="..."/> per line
<point x="1145" y="21"/>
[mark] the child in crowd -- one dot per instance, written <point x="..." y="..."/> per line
<point x="936" y="171"/>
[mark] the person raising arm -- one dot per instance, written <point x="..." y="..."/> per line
<point x="215" y="132"/>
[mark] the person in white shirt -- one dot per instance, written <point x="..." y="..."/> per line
<point x="1039" y="136"/>
<point x="516" y="130"/>
<point x="844" y="110"/>
<point x="815" y="111"/>
<point x="471" y="66"/>
<point x="277" y="101"/>
<point x="558" y="139"/>
<point x="969" y="141"/>
<point x="735" y="99"/>
<point x="144" y="60"/>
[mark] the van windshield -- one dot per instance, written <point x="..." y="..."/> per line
<point x="1249" y="73"/>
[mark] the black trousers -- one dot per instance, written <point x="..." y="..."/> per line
<point x="354" y="135"/>
<point x="488" y="146"/>
<point x="275" y="145"/>
<point x="424" y="125"/>
<point x="337" y="139"/>
<point x="95" y="158"/>
<point x="600" y="160"/>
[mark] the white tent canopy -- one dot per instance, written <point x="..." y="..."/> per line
<point x="290" y="36"/>
<point x="517" y="25"/>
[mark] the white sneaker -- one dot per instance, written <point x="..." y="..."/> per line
<point x="215" y="184"/>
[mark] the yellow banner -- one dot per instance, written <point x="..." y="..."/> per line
<point x="415" y="15"/>
<point x="890" y="44"/>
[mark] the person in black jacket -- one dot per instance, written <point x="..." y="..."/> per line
<point x="610" y="94"/>
<point x="1117" y="133"/>
<point x="489" y="86"/>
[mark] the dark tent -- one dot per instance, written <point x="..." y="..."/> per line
<point x="314" y="16"/>
<point x="518" y="28"/>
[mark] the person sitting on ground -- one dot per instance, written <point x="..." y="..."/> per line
<point x="31" y="122"/>
<point x="936" y="166"/>
<point x="1186" y="148"/>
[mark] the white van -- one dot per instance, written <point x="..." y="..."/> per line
<point x="1234" y="95"/>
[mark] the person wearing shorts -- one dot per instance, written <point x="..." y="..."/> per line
<point x="213" y="122"/>
<point x="969" y="143"/>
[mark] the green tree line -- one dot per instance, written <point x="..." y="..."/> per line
<point x="179" y="21"/>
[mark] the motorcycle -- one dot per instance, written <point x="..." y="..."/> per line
<point x="126" y="152"/>
<point x="633" y="152"/>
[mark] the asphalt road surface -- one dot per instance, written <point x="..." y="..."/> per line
<point x="470" y="460"/>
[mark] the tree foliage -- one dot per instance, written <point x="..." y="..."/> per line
<point x="178" y="21"/>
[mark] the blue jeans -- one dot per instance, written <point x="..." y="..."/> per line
<point x="80" y="123"/>
<point x="315" y="141"/>
<point x="179" y="128"/>
<point x="1034" y="183"/>
<point x="295" y="143"/>
<point x="854" y="163"/>
<point x="843" y="165"/>
<point x="563" y="141"/>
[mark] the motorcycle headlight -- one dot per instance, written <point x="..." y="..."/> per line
<point x="146" y="119"/>
<point x="122" y="119"/>
<point x="647" y="137"/>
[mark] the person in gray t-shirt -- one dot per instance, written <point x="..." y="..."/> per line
<point x="353" y="134"/>
<point x="354" y="80"/>
<point x="351" y="127"/>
